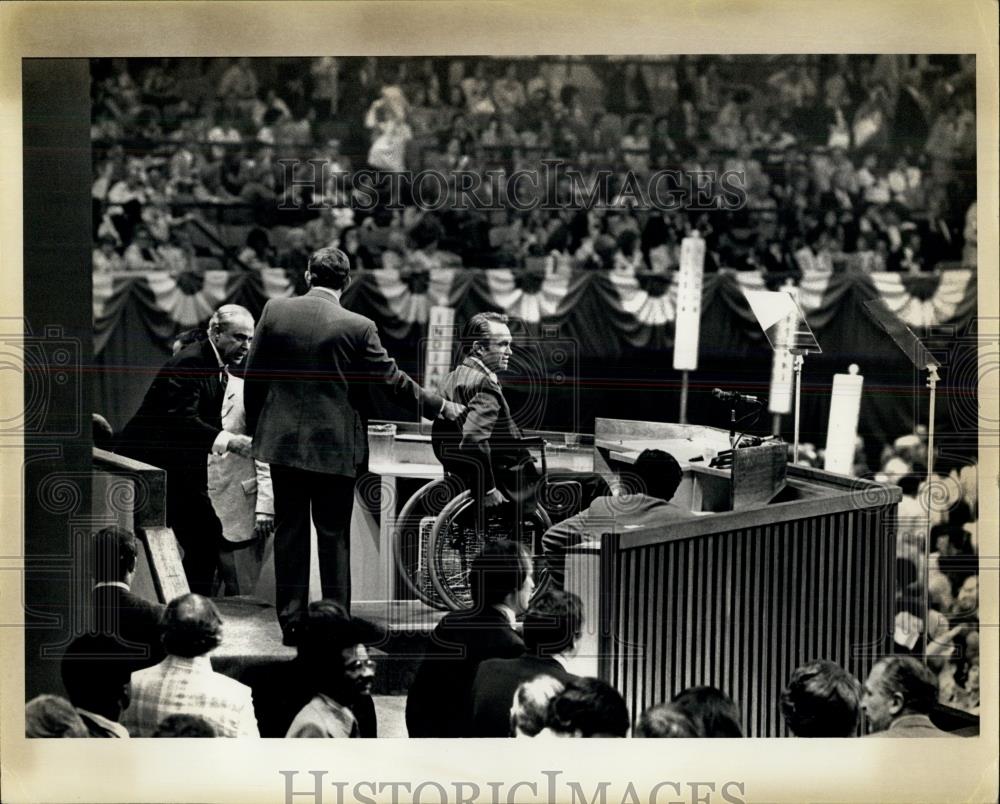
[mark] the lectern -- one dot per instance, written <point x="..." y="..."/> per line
<point x="736" y="599"/>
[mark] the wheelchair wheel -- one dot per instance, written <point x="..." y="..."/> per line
<point x="455" y="541"/>
<point x="411" y="538"/>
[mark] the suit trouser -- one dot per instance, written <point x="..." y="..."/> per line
<point x="331" y="498"/>
<point x="197" y="528"/>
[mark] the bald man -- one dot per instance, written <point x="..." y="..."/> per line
<point x="180" y="423"/>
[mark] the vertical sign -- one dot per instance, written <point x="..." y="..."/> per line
<point x="688" y="319"/>
<point x="440" y="341"/>
<point x="842" y="429"/>
<point x="783" y="362"/>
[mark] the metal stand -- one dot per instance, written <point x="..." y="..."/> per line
<point x="684" y="397"/>
<point x="932" y="381"/>
<point x="799" y="358"/>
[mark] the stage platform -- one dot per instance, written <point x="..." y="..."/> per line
<point x="251" y="637"/>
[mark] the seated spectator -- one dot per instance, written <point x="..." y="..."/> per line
<point x="530" y="706"/>
<point x="898" y="697"/>
<point x="177" y="255"/>
<point x="295" y="259"/>
<point x="665" y="720"/>
<point x="822" y="700"/>
<point x="258" y="253"/>
<point x="52" y="716"/>
<point x="338" y="672"/>
<point x="184" y="682"/>
<point x="552" y="625"/>
<point x="645" y="504"/>
<point x="141" y="255"/>
<point x="282" y="689"/>
<point x="501" y="581"/>
<point x="184" y="726"/>
<point x="713" y="713"/>
<point x="135" y="623"/>
<point x="587" y="707"/>
<point x="97" y="683"/>
<point x="106" y="258"/>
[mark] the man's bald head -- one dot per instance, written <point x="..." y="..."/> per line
<point x="192" y="626"/>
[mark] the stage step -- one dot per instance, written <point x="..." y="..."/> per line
<point x="251" y="636"/>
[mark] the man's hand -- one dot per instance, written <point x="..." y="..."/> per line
<point x="494" y="498"/>
<point x="451" y="411"/>
<point x="240" y="444"/>
<point x="265" y="525"/>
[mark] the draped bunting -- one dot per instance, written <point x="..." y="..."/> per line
<point x="618" y="328"/>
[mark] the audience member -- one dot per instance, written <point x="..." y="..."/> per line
<point x="338" y="670"/>
<point x="184" y="682"/>
<point x="52" y="716"/>
<point x="587" y="707"/>
<point x="97" y="683"/>
<point x="898" y="697"/>
<point x="184" y="726"/>
<point x="134" y="623"/>
<point x="665" y="720"/>
<point x="530" y="706"/>
<point x="713" y="713"/>
<point x="282" y="689"/>
<point x="822" y="700"/>
<point x="501" y="580"/>
<point x="552" y="624"/>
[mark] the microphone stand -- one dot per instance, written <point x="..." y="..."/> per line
<point x="798" y="359"/>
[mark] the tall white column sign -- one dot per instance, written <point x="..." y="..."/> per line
<point x="440" y="341"/>
<point x="688" y="319"/>
<point x="782" y="363"/>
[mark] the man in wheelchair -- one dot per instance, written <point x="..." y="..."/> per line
<point x="485" y="449"/>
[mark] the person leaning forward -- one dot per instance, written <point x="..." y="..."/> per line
<point x="309" y="366"/>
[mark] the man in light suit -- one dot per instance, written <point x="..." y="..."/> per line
<point x="310" y="362"/>
<point x="241" y="494"/>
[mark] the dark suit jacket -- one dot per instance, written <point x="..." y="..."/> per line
<point x="280" y="690"/>
<point x="494" y="686"/>
<point x="135" y="624"/>
<point x="481" y="448"/>
<point x="309" y="362"/>
<point x="180" y="417"/>
<point x="438" y="701"/>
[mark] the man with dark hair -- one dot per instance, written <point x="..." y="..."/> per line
<point x="665" y="720"/>
<point x="552" y="624"/>
<point x="899" y="694"/>
<point x="184" y="682"/>
<point x="588" y="707"/>
<point x="282" y="689"/>
<point x="310" y="365"/>
<point x="179" y="423"/>
<point x="132" y="622"/>
<point x="644" y="502"/>
<point x="822" y="700"/>
<point x="184" y="726"/>
<point x="97" y="684"/>
<point x="501" y="581"/>
<point x="713" y="713"/>
<point x="339" y="673"/>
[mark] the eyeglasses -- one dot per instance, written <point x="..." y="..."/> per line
<point x="360" y="664"/>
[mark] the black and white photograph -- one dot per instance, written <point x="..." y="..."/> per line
<point x="423" y="393"/>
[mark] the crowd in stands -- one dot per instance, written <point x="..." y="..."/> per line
<point x="860" y="160"/>
<point x="145" y="670"/>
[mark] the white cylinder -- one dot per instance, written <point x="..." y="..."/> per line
<point x="842" y="428"/>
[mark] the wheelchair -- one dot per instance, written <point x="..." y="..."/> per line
<point x="441" y="529"/>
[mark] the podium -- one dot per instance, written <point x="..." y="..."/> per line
<point x="736" y="599"/>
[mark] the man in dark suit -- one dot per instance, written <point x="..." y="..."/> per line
<point x="501" y="580"/>
<point x="483" y="449"/>
<point x="179" y="423"/>
<point x="133" y="622"/>
<point x="551" y="627"/>
<point x="310" y="363"/>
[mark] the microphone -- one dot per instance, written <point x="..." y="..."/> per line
<point x="735" y="396"/>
